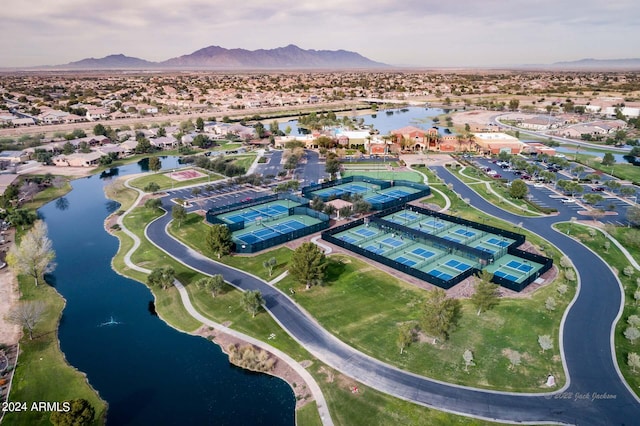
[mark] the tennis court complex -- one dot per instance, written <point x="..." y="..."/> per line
<point x="274" y="209"/>
<point x="440" y="249"/>
<point x="259" y="224"/>
<point x="380" y="194"/>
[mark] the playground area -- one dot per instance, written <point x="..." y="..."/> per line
<point x="440" y="250"/>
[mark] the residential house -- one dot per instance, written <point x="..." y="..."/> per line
<point x="14" y="157"/>
<point x="97" y="113"/>
<point x="78" y="159"/>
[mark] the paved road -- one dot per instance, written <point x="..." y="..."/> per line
<point x="586" y="340"/>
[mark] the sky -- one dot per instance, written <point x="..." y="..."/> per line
<point x="419" y="33"/>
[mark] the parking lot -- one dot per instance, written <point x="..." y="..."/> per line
<point x="218" y="195"/>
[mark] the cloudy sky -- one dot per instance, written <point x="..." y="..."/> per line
<point x="429" y="33"/>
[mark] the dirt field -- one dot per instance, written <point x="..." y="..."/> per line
<point x="9" y="295"/>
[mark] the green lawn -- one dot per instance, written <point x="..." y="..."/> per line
<point x="624" y="171"/>
<point x="615" y="258"/>
<point x="386" y="175"/>
<point x="364" y="306"/>
<point x="165" y="182"/>
<point x="372" y="408"/>
<point x="43" y="373"/>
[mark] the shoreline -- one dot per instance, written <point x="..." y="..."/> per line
<point x="282" y="369"/>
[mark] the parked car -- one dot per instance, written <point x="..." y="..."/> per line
<point x="496" y="176"/>
<point x="597" y="188"/>
<point x="568" y="200"/>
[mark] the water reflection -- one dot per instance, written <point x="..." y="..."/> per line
<point x="62" y="203"/>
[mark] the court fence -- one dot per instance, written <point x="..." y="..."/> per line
<point x="213" y="213"/>
<point x="446" y="284"/>
<point x="479" y="258"/>
<point x="288" y="236"/>
<point x="422" y="190"/>
<point x="546" y="263"/>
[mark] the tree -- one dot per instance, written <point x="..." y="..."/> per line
<point x="308" y="264"/>
<point x="270" y="264"/>
<point x="632" y="334"/>
<point x="440" y="314"/>
<point x="515" y="358"/>
<point x="486" y="294"/>
<point x="628" y="191"/>
<point x="545" y="342"/>
<point x="81" y="413"/>
<point x="219" y="240"/>
<point x="467" y="356"/>
<point x="153" y="203"/>
<point x="251" y="301"/>
<point x="155" y="164"/>
<point x="550" y="304"/>
<point x="636" y="296"/>
<point x="593" y="199"/>
<point x="633" y="360"/>
<point x="213" y="284"/>
<point x="518" y="189"/>
<point x="27" y="315"/>
<point x="178" y="213"/>
<point x="633" y="320"/>
<point x="34" y="255"/>
<point x="200" y="124"/>
<point x="608" y="159"/>
<point x="22" y="217"/>
<point x="633" y="215"/>
<point x="514" y="104"/>
<point x="162" y="277"/>
<point x="99" y="130"/>
<point x="152" y="187"/>
<point x="406" y="336"/>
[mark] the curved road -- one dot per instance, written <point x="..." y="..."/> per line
<point x="595" y="394"/>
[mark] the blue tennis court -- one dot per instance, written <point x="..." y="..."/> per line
<point x="465" y="233"/>
<point x="255" y="236"/>
<point x="379" y="198"/>
<point x="366" y="232"/>
<point x="286" y="227"/>
<point x="372" y="248"/>
<point x="348" y="239"/>
<point x="407" y="215"/>
<point x="519" y="266"/>
<point x="405" y="261"/>
<point x="460" y="266"/>
<point x="440" y="274"/>
<point x="396" y="193"/>
<point x="422" y="252"/>
<point x="432" y="223"/>
<point x="393" y="242"/>
<point x="506" y="276"/>
<point x="497" y="242"/>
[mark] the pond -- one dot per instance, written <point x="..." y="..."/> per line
<point x="148" y="372"/>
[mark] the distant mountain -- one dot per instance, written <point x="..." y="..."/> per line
<point x="216" y="57"/>
<point x="110" y="62"/>
<point x="290" y="56"/>
<point x="599" y="64"/>
<point x="588" y="64"/>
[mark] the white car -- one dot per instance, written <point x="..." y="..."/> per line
<point x="538" y="185"/>
<point x="568" y="200"/>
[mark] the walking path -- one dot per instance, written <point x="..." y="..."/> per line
<point x="186" y="301"/>
<point x="590" y="370"/>
<point x="589" y="359"/>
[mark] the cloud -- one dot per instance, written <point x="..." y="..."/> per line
<point x="409" y="32"/>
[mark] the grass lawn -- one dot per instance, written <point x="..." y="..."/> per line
<point x="243" y="160"/>
<point x="364" y="306"/>
<point x="194" y="227"/>
<point x="47" y="195"/>
<point x="42" y="373"/>
<point x="614" y="257"/>
<point x="165" y="182"/>
<point x="624" y="171"/>
<point x="371" y="407"/>
<point x="386" y="175"/>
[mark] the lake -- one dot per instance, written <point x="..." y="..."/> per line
<point x="148" y="372"/>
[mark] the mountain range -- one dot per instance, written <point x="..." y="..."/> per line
<point x="216" y="57"/>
